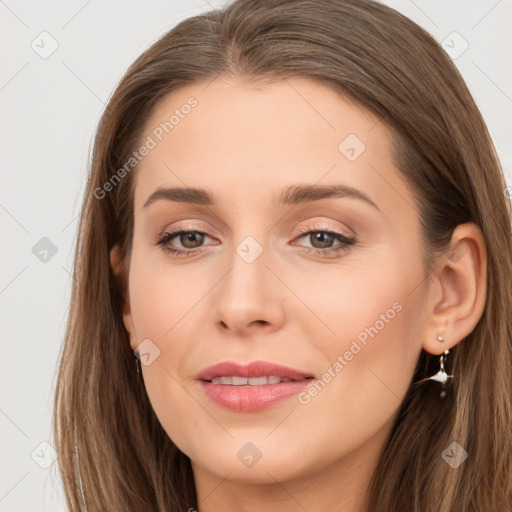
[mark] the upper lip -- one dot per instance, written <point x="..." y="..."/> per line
<point x="254" y="369"/>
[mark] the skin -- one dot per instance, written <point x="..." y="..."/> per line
<point x="247" y="142"/>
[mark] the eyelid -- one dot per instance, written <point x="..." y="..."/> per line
<point x="186" y="227"/>
<point x="317" y="226"/>
<point x="307" y="225"/>
<point x="320" y="226"/>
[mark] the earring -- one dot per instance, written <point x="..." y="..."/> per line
<point x="137" y="364"/>
<point x="441" y="376"/>
<point x="137" y="356"/>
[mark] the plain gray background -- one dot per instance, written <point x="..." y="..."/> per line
<point x="50" y="106"/>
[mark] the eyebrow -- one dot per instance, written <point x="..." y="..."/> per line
<point x="296" y="194"/>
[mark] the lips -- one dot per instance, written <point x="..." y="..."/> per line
<point x="253" y="370"/>
<point x="252" y="387"/>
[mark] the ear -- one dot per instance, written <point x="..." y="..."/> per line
<point x="458" y="290"/>
<point x="116" y="262"/>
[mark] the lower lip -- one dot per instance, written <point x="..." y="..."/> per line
<point x="252" y="398"/>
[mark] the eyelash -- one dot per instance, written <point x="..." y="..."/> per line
<point x="167" y="236"/>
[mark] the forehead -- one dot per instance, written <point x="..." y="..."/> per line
<point x="288" y="116"/>
<point x="250" y="138"/>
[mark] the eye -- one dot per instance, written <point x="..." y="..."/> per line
<point x="191" y="240"/>
<point x="322" y="240"/>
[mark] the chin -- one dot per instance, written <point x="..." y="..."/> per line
<point x="258" y="462"/>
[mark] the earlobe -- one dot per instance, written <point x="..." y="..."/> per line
<point x="458" y="290"/>
<point x="116" y="264"/>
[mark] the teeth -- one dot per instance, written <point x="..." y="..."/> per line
<point x="251" y="381"/>
<point x="257" y="381"/>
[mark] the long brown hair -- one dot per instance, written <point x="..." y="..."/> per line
<point x="113" y="454"/>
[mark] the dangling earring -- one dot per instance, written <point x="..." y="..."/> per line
<point x="137" y="356"/>
<point x="441" y="376"/>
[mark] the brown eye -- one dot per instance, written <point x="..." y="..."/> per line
<point x="186" y="241"/>
<point x="191" y="239"/>
<point x="322" y="242"/>
<point x="321" y="239"/>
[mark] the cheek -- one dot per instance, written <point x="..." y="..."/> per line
<point x="163" y="305"/>
<point x="351" y="303"/>
<point x="371" y="340"/>
<point x="160" y="296"/>
<point x="368" y="369"/>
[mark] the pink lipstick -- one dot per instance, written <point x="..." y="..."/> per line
<point x="252" y="387"/>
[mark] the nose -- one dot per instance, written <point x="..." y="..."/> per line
<point x="249" y="299"/>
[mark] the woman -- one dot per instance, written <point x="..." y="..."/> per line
<point x="296" y="220"/>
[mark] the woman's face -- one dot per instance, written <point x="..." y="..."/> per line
<point x="278" y="269"/>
